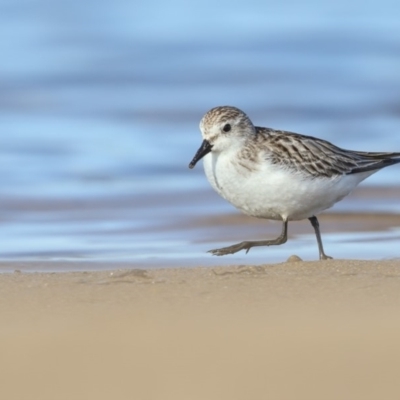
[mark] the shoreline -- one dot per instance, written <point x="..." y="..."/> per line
<point x="177" y="229"/>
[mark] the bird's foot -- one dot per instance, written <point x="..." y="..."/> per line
<point x="232" y="249"/>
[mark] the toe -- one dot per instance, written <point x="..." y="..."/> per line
<point x="216" y="252"/>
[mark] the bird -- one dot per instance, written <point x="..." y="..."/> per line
<point x="276" y="174"/>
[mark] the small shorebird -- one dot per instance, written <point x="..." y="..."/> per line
<point x="278" y="175"/>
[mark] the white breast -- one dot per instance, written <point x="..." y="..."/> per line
<point x="269" y="191"/>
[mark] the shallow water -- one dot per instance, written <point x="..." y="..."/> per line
<point x="99" y="112"/>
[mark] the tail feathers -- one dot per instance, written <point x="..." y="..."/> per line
<point x="374" y="161"/>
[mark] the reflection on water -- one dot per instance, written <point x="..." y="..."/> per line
<point x="178" y="230"/>
<point x="102" y="101"/>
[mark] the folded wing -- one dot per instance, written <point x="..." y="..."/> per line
<point x="318" y="157"/>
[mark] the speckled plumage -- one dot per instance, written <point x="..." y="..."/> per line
<point x="316" y="157"/>
<point x="274" y="174"/>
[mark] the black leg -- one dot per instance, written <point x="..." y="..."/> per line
<point x="282" y="238"/>
<point x="315" y="224"/>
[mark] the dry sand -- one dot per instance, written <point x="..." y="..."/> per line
<point x="296" y="330"/>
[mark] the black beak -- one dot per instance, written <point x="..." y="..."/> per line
<point x="204" y="149"/>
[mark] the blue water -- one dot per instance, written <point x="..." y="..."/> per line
<point x="100" y="103"/>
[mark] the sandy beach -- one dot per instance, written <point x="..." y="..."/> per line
<point x="295" y="330"/>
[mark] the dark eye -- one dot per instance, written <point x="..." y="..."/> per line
<point x="226" y="128"/>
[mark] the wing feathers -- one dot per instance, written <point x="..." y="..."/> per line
<point x="318" y="157"/>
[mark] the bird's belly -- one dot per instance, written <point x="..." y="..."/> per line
<point x="276" y="193"/>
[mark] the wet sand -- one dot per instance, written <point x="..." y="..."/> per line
<point x="295" y="330"/>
